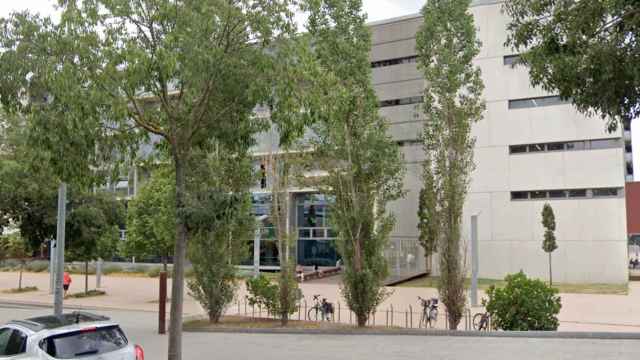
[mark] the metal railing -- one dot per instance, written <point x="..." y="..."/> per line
<point x="390" y="317"/>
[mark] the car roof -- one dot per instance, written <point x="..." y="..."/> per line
<point x="51" y="322"/>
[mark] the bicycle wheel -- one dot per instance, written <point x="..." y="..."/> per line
<point x="312" y="315"/>
<point x="478" y="322"/>
<point x="433" y="317"/>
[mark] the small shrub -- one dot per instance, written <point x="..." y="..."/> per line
<point x="523" y="304"/>
<point x="153" y="272"/>
<point x="37" y="266"/>
<point x="110" y="269"/>
<point x="263" y="293"/>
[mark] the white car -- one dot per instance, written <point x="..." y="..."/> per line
<point x="77" y="335"/>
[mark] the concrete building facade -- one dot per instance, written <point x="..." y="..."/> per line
<point x="531" y="148"/>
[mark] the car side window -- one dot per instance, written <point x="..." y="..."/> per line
<point x="12" y="342"/>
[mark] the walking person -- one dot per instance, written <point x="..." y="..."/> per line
<point x="66" y="282"/>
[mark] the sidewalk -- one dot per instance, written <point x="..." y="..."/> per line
<point x="580" y="312"/>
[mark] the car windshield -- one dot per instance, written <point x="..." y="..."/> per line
<point x="91" y="341"/>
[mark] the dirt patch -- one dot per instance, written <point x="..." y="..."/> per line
<point x="20" y="291"/>
<point x="235" y="322"/>
<point x="90" y="293"/>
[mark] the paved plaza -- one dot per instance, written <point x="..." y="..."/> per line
<point x="580" y="312"/>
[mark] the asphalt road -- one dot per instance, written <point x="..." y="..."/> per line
<point x="140" y="328"/>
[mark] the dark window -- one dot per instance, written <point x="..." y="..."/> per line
<point x="93" y="341"/>
<point x="575" y="145"/>
<point x="628" y="148"/>
<point x="511" y="60"/>
<point x="578" y="193"/>
<point x="538" y="194"/>
<point x="519" y="195"/>
<point x="517" y="149"/>
<point x="555" y="146"/>
<point x="536" y="102"/>
<point x="605" y="144"/>
<point x="403" y="101"/>
<point x="397" y="61"/>
<point x="629" y="169"/>
<point x="605" y="192"/>
<point x="557" y="194"/>
<point x="536" y="147"/>
<point x="12" y="342"/>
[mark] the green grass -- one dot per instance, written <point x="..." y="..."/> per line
<point x="24" y="289"/>
<point x="483" y="284"/>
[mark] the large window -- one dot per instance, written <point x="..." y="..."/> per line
<point x="566" y="146"/>
<point x="511" y="60"/>
<point x="566" y="193"/>
<point x="536" y="102"/>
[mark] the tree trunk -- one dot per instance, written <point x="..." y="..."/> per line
<point x="86" y="277"/>
<point x="550" y="273"/>
<point x="164" y="263"/>
<point x="177" y="288"/>
<point x="20" y="277"/>
<point x="362" y="319"/>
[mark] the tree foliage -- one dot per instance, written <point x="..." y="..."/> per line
<point x="113" y="71"/>
<point x="447" y="45"/>
<point x="151" y="218"/>
<point x="523" y="304"/>
<point x="586" y="51"/>
<point x="364" y="165"/>
<point x="549" y="244"/>
<point x="92" y="229"/>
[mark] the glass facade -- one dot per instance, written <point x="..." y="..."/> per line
<point x="316" y="240"/>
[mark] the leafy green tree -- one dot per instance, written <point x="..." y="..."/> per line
<point x="113" y="71"/>
<point x="221" y="222"/>
<point x="151" y="218"/>
<point x="549" y="244"/>
<point x="447" y="45"/>
<point x="92" y="229"/>
<point x="586" y="51"/>
<point x="16" y="247"/>
<point x="523" y="304"/>
<point x="364" y="165"/>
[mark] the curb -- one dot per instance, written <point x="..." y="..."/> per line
<point x="439" y="333"/>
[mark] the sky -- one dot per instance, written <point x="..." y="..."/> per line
<point x="376" y="9"/>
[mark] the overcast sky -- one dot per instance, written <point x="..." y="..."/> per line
<point x="377" y="9"/>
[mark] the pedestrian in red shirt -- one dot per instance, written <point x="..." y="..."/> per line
<point x="66" y="282"/>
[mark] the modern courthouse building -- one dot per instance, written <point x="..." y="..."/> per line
<point x="531" y="148"/>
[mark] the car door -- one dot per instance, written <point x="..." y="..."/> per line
<point x="13" y="344"/>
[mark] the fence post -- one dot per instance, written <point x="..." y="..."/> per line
<point x="391" y="315"/>
<point x="339" y="311"/>
<point x="239" y="311"/>
<point x="406" y="319"/>
<point x="253" y="311"/>
<point x="411" y="316"/>
<point x="386" y="318"/>
<point x="299" y="310"/>
<point x="374" y="318"/>
<point x="349" y="316"/>
<point x="306" y="316"/>
<point x="259" y="310"/>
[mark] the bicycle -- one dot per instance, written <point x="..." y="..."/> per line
<point x="321" y="310"/>
<point x="481" y="321"/>
<point x="429" y="312"/>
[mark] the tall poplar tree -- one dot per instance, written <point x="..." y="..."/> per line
<point x="549" y="244"/>
<point x="446" y="45"/>
<point x="363" y="164"/>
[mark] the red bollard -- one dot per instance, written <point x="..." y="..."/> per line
<point x="162" y="310"/>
